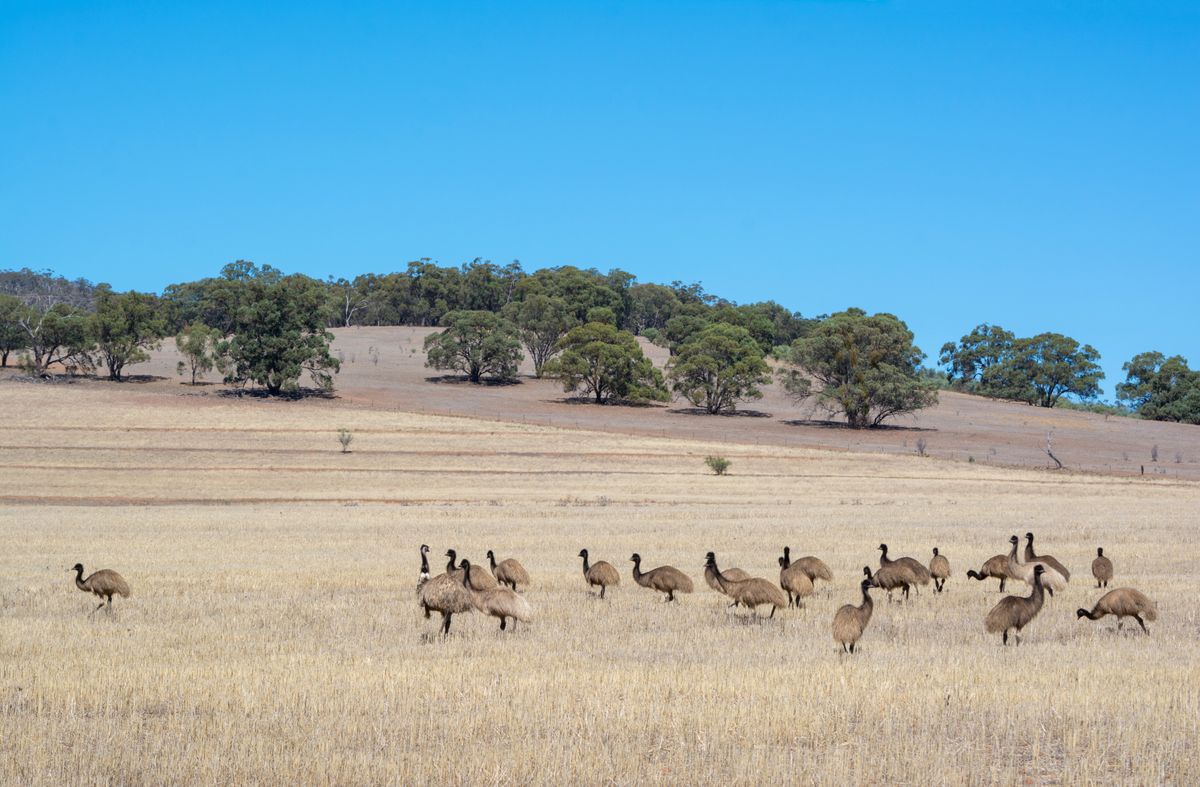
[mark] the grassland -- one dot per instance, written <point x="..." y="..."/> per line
<point x="273" y="634"/>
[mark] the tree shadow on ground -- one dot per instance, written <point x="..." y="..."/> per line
<point x="289" y="396"/>
<point x="843" y="425"/>
<point x="462" y="379"/>
<point x="726" y="414"/>
<point x="586" y="400"/>
<point x="136" y="379"/>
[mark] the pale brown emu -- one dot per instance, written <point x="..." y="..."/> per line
<point x="1102" y="568"/>
<point x="752" y="592"/>
<point x="104" y="583"/>
<point x="939" y="569"/>
<point x="664" y="579"/>
<point x="1124" y="603"/>
<point x="851" y="621"/>
<point x="508" y="572"/>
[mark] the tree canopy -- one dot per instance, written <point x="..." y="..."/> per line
<point x="864" y="367"/>
<point x="1042" y="369"/>
<point x="1161" y="388"/>
<point x="278" y="334"/>
<point x="607" y="364"/>
<point x="718" y="367"/>
<point x="478" y="343"/>
<point x="127" y="325"/>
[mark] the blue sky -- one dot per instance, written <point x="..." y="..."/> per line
<point x="1032" y="164"/>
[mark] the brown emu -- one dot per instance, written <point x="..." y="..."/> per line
<point x="499" y="602"/>
<point x="601" y="574"/>
<point x="920" y="574"/>
<point x="995" y="567"/>
<point x="1124" y="603"/>
<point x="443" y="593"/>
<point x="752" y="592"/>
<point x="508" y="572"/>
<point x="664" y="579"/>
<point x="851" y="621"/>
<point x="890" y="578"/>
<point x="1102" y="568"/>
<point x="939" y="569"/>
<point x="104" y="583"/>
<point x="1015" y="612"/>
<point x="794" y="581"/>
<point x="812" y="566"/>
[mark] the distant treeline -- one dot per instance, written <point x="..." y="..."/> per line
<point x="259" y="326"/>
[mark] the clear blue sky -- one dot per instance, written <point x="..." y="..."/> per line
<point x="1032" y="164"/>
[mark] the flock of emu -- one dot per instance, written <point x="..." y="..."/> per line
<point x="459" y="590"/>
<point x="496" y="593"/>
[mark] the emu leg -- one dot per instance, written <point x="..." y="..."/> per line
<point x="426" y="613"/>
<point x="773" y="608"/>
<point x="1138" y="618"/>
<point x="503" y="621"/>
<point x="602" y="587"/>
<point x="1004" y="639"/>
<point x="446" y="623"/>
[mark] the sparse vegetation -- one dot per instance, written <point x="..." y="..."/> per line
<point x="345" y="438"/>
<point x="718" y="464"/>
<point x="921" y="446"/>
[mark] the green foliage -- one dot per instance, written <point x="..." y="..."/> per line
<point x="345" y="438"/>
<point x="602" y="314"/>
<point x="680" y="328"/>
<point x="1161" y="388"/>
<point x="61" y="334"/>
<point x="864" y="367"/>
<point x="650" y="306"/>
<point x="968" y="361"/>
<point x="278" y="333"/>
<point x="582" y="290"/>
<point x="126" y="326"/>
<point x="1044" y="368"/>
<point x="718" y="464"/>
<point x="12" y="336"/>
<point x="477" y="343"/>
<point x="541" y="321"/>
<point x="607" y="364"/>
<point x="718" y="367"/>
<point x="1038" y="370"/>
<point x="198" y="345"/>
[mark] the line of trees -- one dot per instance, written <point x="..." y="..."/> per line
<point x="258" y="326"/>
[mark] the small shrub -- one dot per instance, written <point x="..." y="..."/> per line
<point x="1154" y="453"/>
<point x="345" y="438"/>
<point x="1178" y="457"/>
<point x="971" y="460"/>
<point x="921" y="446"/>
<point x="718" y="464"/>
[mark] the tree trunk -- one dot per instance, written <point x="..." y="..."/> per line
<point x="4" y="359"/>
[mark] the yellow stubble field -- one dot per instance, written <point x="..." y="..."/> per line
<point x="273" y="634"/>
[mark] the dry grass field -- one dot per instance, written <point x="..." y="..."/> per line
<point x="273" y="634"/>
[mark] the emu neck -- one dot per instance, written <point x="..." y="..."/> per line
<point x="450" y="567"/>
<point x="492" y="560"/>
<point x="721" y="578"/>
<point x="884" y="560"/>
<point x="1038" y="596"/>
<point x="424" y="564"/>
<point x="585" y="565"/>
<point x="787" y="560"/>
<point x="637" y="571"/>
<point x="79" y="579"/>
